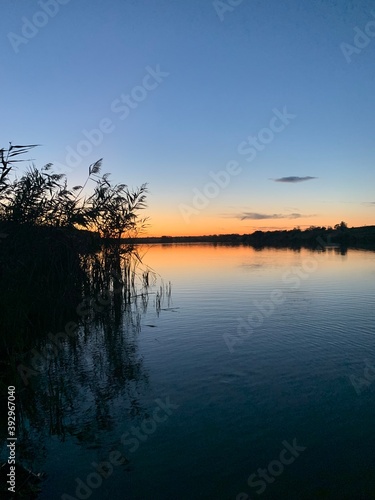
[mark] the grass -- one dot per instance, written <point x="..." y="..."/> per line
<point x="58" y="246"/>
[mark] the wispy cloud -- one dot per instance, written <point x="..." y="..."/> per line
<point x="274" y="228"/>
<point x="259" y="216"/>
<point x="294" y="178"/>
<point x="369" y="203"/>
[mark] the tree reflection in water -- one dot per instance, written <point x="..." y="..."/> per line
<point x="94" y="377"/>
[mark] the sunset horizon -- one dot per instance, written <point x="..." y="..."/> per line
<point x="187" y="249"/>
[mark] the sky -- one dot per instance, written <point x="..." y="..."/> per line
<point x="240" y="115"/>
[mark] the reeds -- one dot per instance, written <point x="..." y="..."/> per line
<point x="41" y="197"/>
<point x="50" y="233"/>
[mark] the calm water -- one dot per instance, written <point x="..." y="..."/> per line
<point x="243" y="379"/>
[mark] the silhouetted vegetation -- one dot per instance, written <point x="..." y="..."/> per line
<point x="42" y="198"/>
<point x="66" y="274"/>
<point x="312" y="237"/>
<point x="49" y="233"/>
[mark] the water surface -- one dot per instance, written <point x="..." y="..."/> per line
<point x="242" y="376"/>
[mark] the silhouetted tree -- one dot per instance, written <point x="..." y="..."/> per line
<point x="342" y="226"/>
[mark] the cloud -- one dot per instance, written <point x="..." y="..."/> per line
<point x="258" y="216"/>
<point x="265" y="227"/>
<point x="294" y="178"/>
<point x="369" y="203"/>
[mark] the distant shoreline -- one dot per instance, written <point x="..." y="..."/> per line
<point x="363" y="236"/>
<point x="313" y="237"/>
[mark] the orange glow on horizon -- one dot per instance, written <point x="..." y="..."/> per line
<point x="176" y="226"/>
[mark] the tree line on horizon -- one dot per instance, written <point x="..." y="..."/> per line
<point x="340" y="234"/>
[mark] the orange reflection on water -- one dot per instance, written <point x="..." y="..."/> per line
<point x="220" y="262"/>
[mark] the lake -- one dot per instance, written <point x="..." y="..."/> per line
<point x="251" y="375"/>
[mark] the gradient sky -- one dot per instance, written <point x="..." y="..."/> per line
<point x="224" y="72"/>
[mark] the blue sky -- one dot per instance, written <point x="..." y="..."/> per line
<point x="224" y="70"/>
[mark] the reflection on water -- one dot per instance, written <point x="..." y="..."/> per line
<point x="76" y="382"/>
<point x="138" y="348"/>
